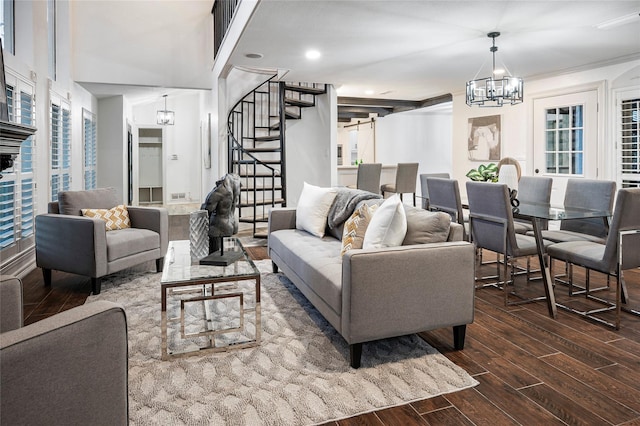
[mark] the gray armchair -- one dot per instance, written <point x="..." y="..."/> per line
<point x="70" y="368"/>
<point x="67" y="241"/>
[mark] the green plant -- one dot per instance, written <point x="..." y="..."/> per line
<point x="484" y="173"/>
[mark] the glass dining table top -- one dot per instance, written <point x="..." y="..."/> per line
<point x="545" y="211"/>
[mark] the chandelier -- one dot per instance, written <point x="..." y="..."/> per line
<point x="164" y="116"/>
<point x="496" y="90"/>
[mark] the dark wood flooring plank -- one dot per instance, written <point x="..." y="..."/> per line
<point x="628" y="376"/>
<point x="446" y="416"/>
<point x="598" y="380"/>
<point x="479" y="409"/>
<point x="443" y="343"/>
<point x="561" y="406"/>
<point x="540" y="334"/>
<point x="403" y="415"/>
<point x="519" y="407"/>
<point x="431" y="404"/>
<point x="368" y="419"/>
<point x="615" y="353"/>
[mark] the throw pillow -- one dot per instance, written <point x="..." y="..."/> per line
<point x="116" y="217"/>
<point x="425" y="227"/>
<point x="388" y="226"/>
<point x="355" y="228"/>
<point x="313" y="209"/>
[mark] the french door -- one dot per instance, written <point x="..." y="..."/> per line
<point x="565" y="139"/>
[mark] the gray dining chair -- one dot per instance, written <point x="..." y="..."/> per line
<point x="424" y="191"/>
<point x="406" y="177"/>
<point x="535" y="190"/>
<point x="369" y="177"/>
<point x="491" y="228"/>
<point x="621" y="251"/>
<point x="444" y="195"/>
<point x="585" y="194"/>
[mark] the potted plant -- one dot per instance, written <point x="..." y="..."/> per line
<point x="484" y="173"/>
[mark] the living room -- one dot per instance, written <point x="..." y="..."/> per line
<point x="103" y="78"/>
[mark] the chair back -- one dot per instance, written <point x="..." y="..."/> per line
<point x="588" y="194"/>
<point x="369" y="177"/>
<point x="406" y="177"/>
<point x="424" y="191"/>
<point x="626" y="219"/>
<point x="445" y="196"/>
<point x="536" y="190"/>
<point x="491" y="218"/>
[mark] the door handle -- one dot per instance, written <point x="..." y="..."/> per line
<point x="537" y="171"/>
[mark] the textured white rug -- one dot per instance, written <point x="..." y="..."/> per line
<point x="299" y="374"/>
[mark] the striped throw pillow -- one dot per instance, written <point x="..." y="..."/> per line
<point x="355" y="227"/>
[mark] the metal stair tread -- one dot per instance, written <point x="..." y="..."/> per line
<point x="262" y="149"/>
<point x="261" y="203"/>
<point x="299" y="102"/>
<point x="305" y="89"/>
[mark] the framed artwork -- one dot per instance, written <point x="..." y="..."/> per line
<point x="4" y="107"/>
<point x="484" y="142"/>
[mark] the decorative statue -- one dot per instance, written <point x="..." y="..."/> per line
<point x="221" y="205"/>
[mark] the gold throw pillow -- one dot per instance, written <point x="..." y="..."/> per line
<point x="355" y="227"/>
<point x="116" y="217"/>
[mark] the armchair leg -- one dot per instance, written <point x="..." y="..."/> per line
<point x="274" y="267"/>
<point x="355" y="353"/>
<point x="159" y="264"/>
<point x="459" y="332"/>
<point x="46" y="273"/>
<point x="96" y="283"/>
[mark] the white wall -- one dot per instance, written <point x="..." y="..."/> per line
<point x="423" y="136"/>
<point x="517" y="128"/>
<point x="311" y="147"/>
<point x="112" y="145"/>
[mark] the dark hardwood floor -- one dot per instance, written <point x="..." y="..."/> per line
<point x="532" y="369"/>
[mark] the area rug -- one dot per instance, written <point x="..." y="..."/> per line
<point x="298" y="375"/>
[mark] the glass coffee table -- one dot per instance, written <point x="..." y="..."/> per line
<point x="208" y="308"/>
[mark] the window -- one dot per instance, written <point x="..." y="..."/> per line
<point x="629" y="143"/>
<point x="17" y="187"/>
<point x="7" y="19"/>
<point x="564" y="136"/>
<point x="90" y="148"/>
<point x="60" y="114"/>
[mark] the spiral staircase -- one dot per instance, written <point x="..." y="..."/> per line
<point x="257" y="148"/>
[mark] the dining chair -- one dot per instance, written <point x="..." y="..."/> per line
<point x="534" y="190"/>
<point x="491" y="228"/>
<point x="406" y="177"/>
<point x="444" y="195"/>
<point x="620" y="251"/>
<point x="585" y="194"/>
<point x="424" y="191"/>
<point x="368" y="178"/>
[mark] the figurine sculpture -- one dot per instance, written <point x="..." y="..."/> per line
<point x="221" y="204"/>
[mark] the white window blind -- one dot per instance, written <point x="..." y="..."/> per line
<point x="17" y="188"/>
<point x="89" y="138"/>
<point x="630" y="143"/>
<point x="60" y="115"/>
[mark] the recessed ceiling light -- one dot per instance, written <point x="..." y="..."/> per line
<point x="368" y="92"/>
<point x="312" y="54"/>
<point x="254" y="55"/>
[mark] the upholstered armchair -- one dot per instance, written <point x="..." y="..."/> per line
<point x="70" y="368"/>
<point x="68" y="241"/>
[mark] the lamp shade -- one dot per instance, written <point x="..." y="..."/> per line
<point x="509" y="176"/>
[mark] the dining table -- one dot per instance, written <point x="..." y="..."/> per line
<point x="537" y="214"/>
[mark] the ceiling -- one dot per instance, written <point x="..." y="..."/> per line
<point x="402" y="50"/>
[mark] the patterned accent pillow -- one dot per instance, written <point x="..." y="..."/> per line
<point x="355" y="227"/>
<point x="116" y="217"/>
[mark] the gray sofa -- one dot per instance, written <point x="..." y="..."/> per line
<point x="371" y="294"/>
<point x="67" y="241"/>
<point x="68" y="369"/>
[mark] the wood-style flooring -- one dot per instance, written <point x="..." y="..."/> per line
<point x="533" y="370"/>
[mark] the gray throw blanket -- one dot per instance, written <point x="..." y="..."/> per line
<point x="345" y="203"/>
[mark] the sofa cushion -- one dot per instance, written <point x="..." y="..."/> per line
<point x="72" y="202"/>
<point x="355" y="228"/>
<point x="116" y="218"/>
<point x="130" y="241"/>
<point x="388" y="226"/>
<point x="426" y="227"/>
<point x="316" y="261"/>
<point x="313" y="208"/>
